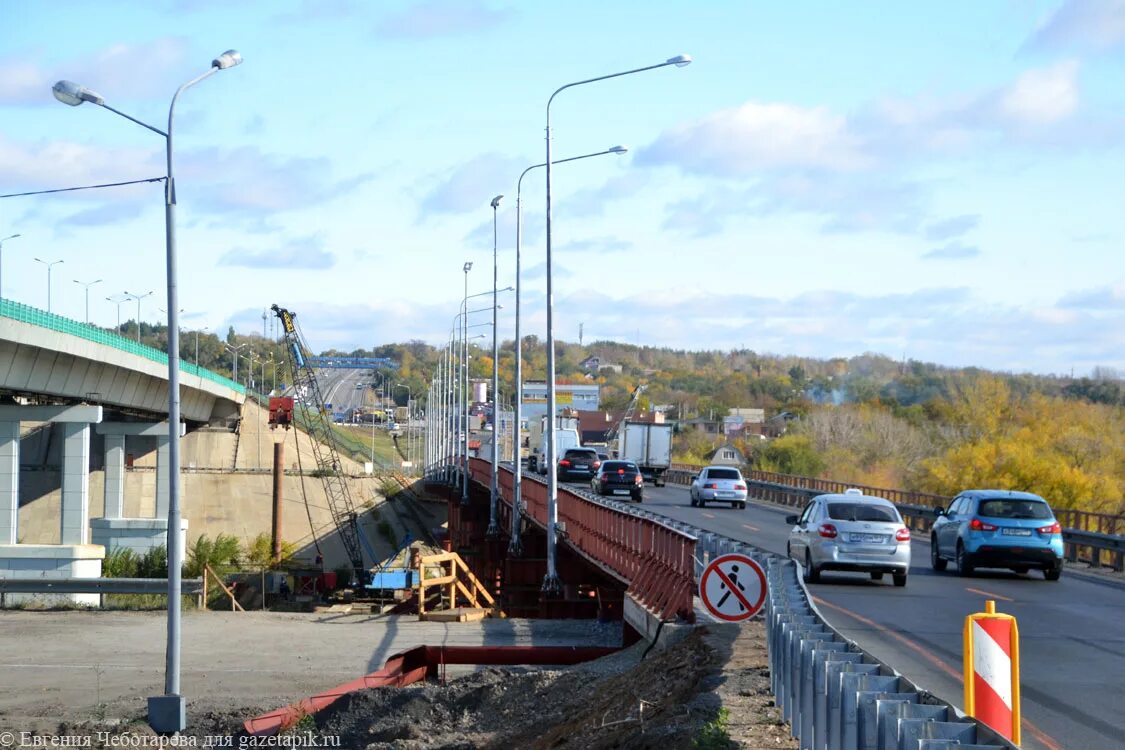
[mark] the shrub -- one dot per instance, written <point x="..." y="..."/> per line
<point x="714" y="735"/>
<point x="259" y="552"/>
<point x="221" y="553"/>
<point x="120" y="562"/>
<point x="154" y="564"/>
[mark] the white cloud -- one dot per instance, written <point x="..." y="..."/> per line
<point x="1082" y="24"/>
<point x="759" y="136"/>
<point x="952" y="251"/>
<point x="1042" y="96"/>
<point x="118" y="72"/>
<point x="306" y="253"/>
<point x="441" y="18"/>
<point x="470" y="186"/>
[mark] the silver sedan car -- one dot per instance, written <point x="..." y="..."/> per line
<point x="718" y="484"/>
<point x="851" y="532"/>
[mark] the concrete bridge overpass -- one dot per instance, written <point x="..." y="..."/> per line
<point x="47" y="358"/>
<point x="73" y="377"/>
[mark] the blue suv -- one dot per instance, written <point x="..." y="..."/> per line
<point x="997" y="529"/>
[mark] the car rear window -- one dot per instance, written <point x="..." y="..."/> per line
<point x="723" y="474"/>
<point x="579" y="453"/>
<point x="1014" y="509"/>
<point x="611" y="466"/>
<point x="862" y="512"/>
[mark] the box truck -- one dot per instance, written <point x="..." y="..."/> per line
<point x="566" y="432"/>
<point x="649" y="446"/>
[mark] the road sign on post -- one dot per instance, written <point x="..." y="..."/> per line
<point x="733" y="587"/>
<point x="992" y="670"/>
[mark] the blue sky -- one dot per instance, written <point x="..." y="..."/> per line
<point x="941" y="182"/>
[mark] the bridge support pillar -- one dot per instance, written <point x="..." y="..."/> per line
<point x="138" y="534"/>
<point x="114" y="476"/>
<point x="162" y="484"/>
<point x="9" y="482"/>
<point x="74" y="520"/>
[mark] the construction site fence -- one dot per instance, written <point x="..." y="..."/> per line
<point x="835" y="695"/>
<point x="654" y="558"/>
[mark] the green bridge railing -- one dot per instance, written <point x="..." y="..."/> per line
<point x="28" y="314"/>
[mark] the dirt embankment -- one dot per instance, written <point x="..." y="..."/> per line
<point x="709" y="689"/>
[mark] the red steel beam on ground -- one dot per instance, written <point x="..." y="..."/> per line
<point x="413" y="666"/>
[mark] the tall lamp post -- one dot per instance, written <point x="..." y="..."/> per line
<point x="408" y="395"/>
<point x="118" y="303"/>
<point x="515" y="545"/>
<point x="87" y="285"/>
<point x="2" y="241"/>
<point x="494" y="487"/>
<point x="463" y="418"/>
<point x="552" y="586"/>
<point x="138" y="298"/>
<point x="197" y="332"/>
<point x="48" y="265"/>
<point x="166" y="712"/>
<point x="234" y="349"/>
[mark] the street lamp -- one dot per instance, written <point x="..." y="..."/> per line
<point x="408" y="397"/>
<point x="197" y="344"/>
<point x="234" y="349"/>
<point x="2" y="241"/>
<point x="551" y="584"/>
<point x="165" y="713"/>
<point x="494" y="487"/>
<point x="463" y="420"/>
<point x="118" y="303"/>
<point x="515" y="546"/>
<point x="48" y="265"/>
<point x="87" y="285"/>
<point x="138" y="298"/>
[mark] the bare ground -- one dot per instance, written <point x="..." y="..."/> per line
<point x="638" y="698"/>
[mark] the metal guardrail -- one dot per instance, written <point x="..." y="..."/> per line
<point x="837" y="696"/>
<point x="188" y="586"/>
<point x="27" y="314"/>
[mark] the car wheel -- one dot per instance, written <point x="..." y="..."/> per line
<point x="702" y="503"/>
<point x="812" y="574"/>
<point x="1053" y="574"/>
<point x="639" y="498"/>
<point x="788" y="551"/>
<point x="899" y="579"/>
<point x="876" y="576"/>
<point x="742" y="505"/>
<point x="937" y="562"/>
<point x="964" y="565"/>
<point x="694" y="502"/>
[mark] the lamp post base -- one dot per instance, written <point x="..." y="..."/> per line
<point x="166" y="713"/>
<point x="515" y="548"/>
<point x="552" y="586"/>
<point x="493" y="531"/>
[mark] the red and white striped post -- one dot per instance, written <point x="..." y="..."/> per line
<point x="992" y="670"/>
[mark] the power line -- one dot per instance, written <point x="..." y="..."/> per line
<point x="84" y="187"/>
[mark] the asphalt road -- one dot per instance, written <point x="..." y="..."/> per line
<point x="338" y="387"/>
<point x="1072" y="632"/>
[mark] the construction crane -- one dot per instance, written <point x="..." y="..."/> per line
<point x="615" y="431"/>
<point x="323" y="439"/>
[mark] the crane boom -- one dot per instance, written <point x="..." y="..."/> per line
<point x="615" y="431"/>
<point x="323" y="439"/>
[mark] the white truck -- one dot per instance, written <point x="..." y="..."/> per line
<point x="566" y="436"/>
<point x="649" y="446"/>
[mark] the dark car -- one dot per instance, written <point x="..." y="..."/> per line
<point x="619" y="478"/>
<point x="578" y="464"/>
<point x="997" y="529"/>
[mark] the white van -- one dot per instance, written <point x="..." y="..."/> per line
<point x="564" y="438"/>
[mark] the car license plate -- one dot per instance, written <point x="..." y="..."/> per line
<point x="621" y="492"/>
<point x="868" y="538"/>
<point x="1016" y="532"/>
<point x="724" y="494"/>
